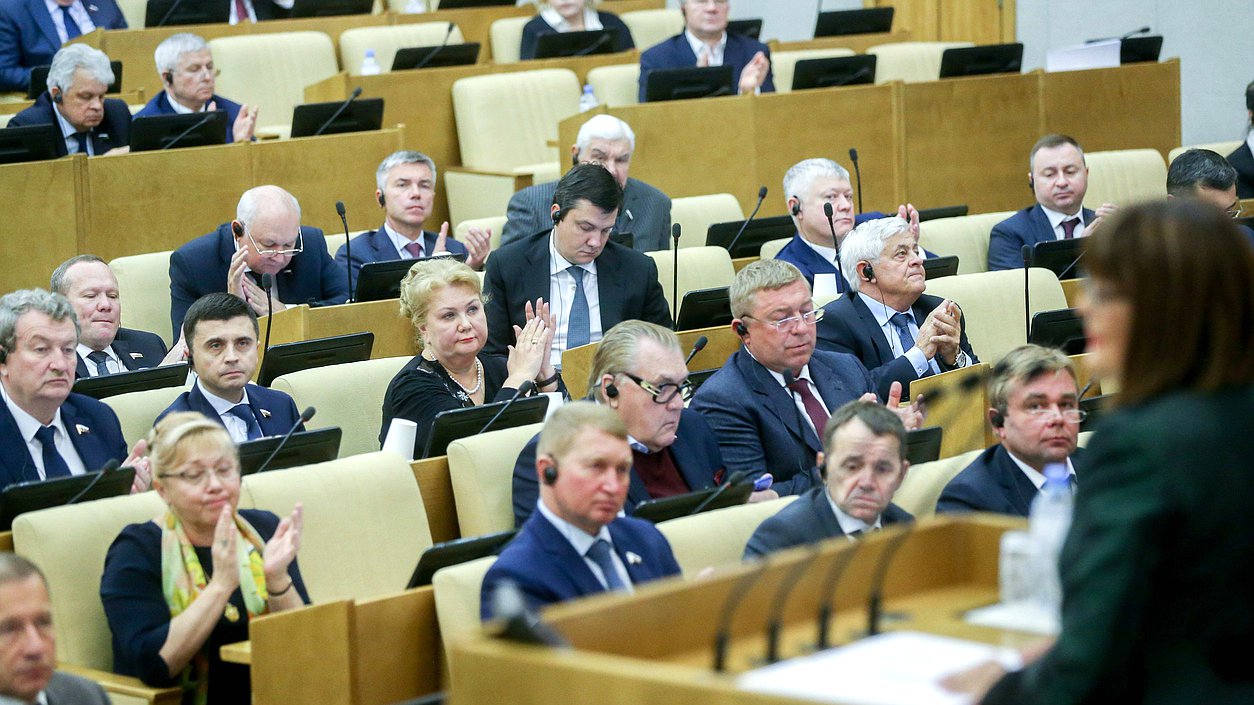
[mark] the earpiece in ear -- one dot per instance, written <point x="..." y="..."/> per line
<point x="995" y="418"/>
<point x="611" y="391"/>
<point x="741" y="329"/>
<point x="557" y="216"/>
<point x="796" y="206"/>
<point x="169" y="78"/>
<point x="1032" y="182"/>
<point x="382" y="201"/>
<point x="867" y="272"/>
<point x="237" y="228"/>
<point x="550" y="475"/>
<point x="56" y="97"/>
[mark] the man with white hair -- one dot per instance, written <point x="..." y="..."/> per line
<point x="31" y="32"/>
<point x="898" y="332"/>
<point x="266" y="237"/>
<point x="88" y="123"/>
<point x="186" y="68"/>
<point x="610" y="142"/>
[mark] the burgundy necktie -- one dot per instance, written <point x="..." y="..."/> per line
<point x="241" y="11"/>
<point x="814" y="408"/>
<point x="414" y="249"/>
<point x="1068" y="228"/>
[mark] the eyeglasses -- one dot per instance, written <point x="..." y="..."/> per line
<point x="662" y="394"/>
<point x="1235" y="212"/>
<point x="200" y="475"/>
<point x="1044" y="413"/>
<point x="300" y="245"/>
<point x="807" y="317"/>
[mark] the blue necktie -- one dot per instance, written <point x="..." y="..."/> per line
<point x="81" y="139"/>
<point x="245" y="413"/>
<point x="901" y="321"/>
<point x="54" y="464"/>
<point x="71" y="27"/>
<point x="99" y="357"/>
<point x="600" y="554"/>
<point x="578" y="329"/>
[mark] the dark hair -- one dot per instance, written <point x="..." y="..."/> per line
<point x="587" y="182"/>
<point x="1051" y="141"/>
<point x="1187" y="272"/>
<point x="14" y="567"/>
<point x="1249" y="97"/>
<point x="60" y="282"/>
<point x="1199" y="167"/>
<point x="877" y="417"/>
<point x="216" y="307"/>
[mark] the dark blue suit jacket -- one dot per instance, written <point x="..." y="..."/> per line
<point x="675" y="53"/>
<point x="1027" y="227"/>
<point x="275" y="411"/>
<point x="160" y="105"/>
<point x="848" y="326"/>
<point x="803" y="257"/>
<point x="992" y="483"/>
<point x="376" y="246"/>
<point x="534" y="29"/>
<point x="200" y="268"/>
<point x="28" y="37"/>
<point x="546" y="568"/>
<point x="758" y="424"/>
<point x="101" y="442"/>
<point x="810" y="519"/>
<point x="695" y="452"/>
<point x="138" y="350"/>
<point x="1242" y="160"/>
<point x="113" y="131"/>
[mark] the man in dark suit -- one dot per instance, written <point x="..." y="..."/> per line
<point x="1036" y="414"/>
<point x="769" y="403"/>
<point x="186" y="68"/>
<point x="84" y="120"/>
<point x="1059" y="177"/>
<point x="46" y="431"/>
<point x="608" y="141"/>
<point x="1206" y="176"/>
<point x="575" y="544"/>
<point x="28" y="651"/>
<point x="862" y="468"/>
<point x="406" y="192"/>
<point x="266" y="237"/>
<point x="31" y="33"/>
<point x="705" y="41"/>
<point x="639" y="372"/>
<point x="591" y="284"/>
<point x="221" y="332"/>
<point x="898" y="332"/>
<point x="1242" y="158"/>
<point x="104" y="347"/>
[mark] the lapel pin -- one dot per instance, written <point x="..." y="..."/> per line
<point x="265" y="414"/>
<point x="136" y="356"/>
<point x="93" y="8"/>
<point x="82" y="430"/>
<point x="634" y="558"/>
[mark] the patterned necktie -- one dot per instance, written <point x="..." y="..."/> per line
<point x="1068" y="228"/>
<point x="99" y="357"/>
<point x="599" y="552"/>
<point x="414" y="249"/>
<point x="901" y="322"/>
<point x="578" y="328"/>
<point x="814" y="409"/>
<point x="244" y="413"/>
<point x="54" y="464"/>
<point x="72" y="29"/>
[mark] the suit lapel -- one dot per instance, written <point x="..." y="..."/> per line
<point x="80" y="370"/>
<point x="197" y="402"/>
<point x="830" y="385"/>
<point x="870" y="329"/>
<point x="687" y="461"/>
<point x="823" y="514"/>
<point x="1018" y="488"/>
<point x="39" y="13"/>
<point x="381" y="247"/>
<point x="263" y="414"/>
<point x="636" y="491"/>
<point x="16" y="461"/>
<point x="610" y="287"/>
<point x="534" y="281"/>
<point x="632" y="554"/>
<point x="564" y="556"/>
<point x="84" y="438"/>
<point x="123" y="350"/>
<point x="776" y="399"/>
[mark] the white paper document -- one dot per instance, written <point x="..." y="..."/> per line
<point x="1098" y="55"/>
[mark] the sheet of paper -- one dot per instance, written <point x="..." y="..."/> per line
<point x="1098" y="55"/>
<point x="1021" y="616"/>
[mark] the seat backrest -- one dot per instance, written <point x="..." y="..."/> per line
<point x="138" y="411"/>
<point x="1125" y="176"/>
<point x="699" y="268"/>
<point x="695" y="215"/>
<point x="649" y="27"/>
<point x="784" y="63"/>
<point x="482" y="471"/>
<point x="771" y="248"/>
<point x="992" y="306"/>
<point x="616" y="86"/>
<point x="925" y="482"/>
<point x="717" y="538"/>
<point x="457" y="591"/>
<point x="144" y="288"/>
<point x="386" y="40"/>
<point x="270" y="71"/>
<point x="506" y="38"/>
<point x="134" y="11"/>
<point x="965" y="236"/>
<point x="520" y="109"/>
<point x="353" y="406"/>
<point x="911" y="62"/>
<point x="494" y="224"/>
<point x="1223" y="149"/>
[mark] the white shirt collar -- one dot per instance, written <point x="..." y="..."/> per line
<point x="779" y="377"/>
<point x="1056" y="218"/>
<point x="1037" y="478"/>
<point x="400" y="241"/>
<point x="579" y="539"/>
<point x="84" y="351"/>
<point x="850" y="524"/>
<point x="1249" y="140"/>
<point x="558" y="263"/>
<point x="591" y="21"/>
<point x="882" y="311"/>
<point x="716" y="52"/>
<point x="181" y="109"/>
<point x="27" y="425"/>
<point x="66" y="128"/>
<point x="827" y="253"/>
<point x="219" y="404"/>
<point x="41" y="699"/>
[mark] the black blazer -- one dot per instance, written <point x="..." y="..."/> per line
<point x="807" y="520"/>
<point x="1243" y="161"/>
<point x="519" y="272"/>
<point x="992" y="483"/>
<point x="138" y="350"/>
<point x="113" y="131"/>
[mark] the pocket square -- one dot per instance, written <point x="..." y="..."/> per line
<point x="82" y="430"/>
<point x="634" y="558"/>
<point x="265" y="414"/>
<point x="136" y="356"/>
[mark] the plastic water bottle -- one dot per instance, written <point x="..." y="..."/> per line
<point x="1048" y="523"/>
<point x="588" y="100"/>
<point x="370" y="65"/>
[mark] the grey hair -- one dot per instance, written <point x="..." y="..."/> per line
<point x="14" y="568"/>
<point x="250" y="203"/>
<point x="619" y="347"/>
<point x="866" y="243"/>
<point x="770" y="274"/>
<point x="168" y="52"/>
<point x="14" y="305"/>
<point x="801" y="177"/>
<point x="60" y="282"/>
<point x="73" y="57"/>
<point x="405" y="156"/>
<point x="1199" y="168"/>
<point x="604" y="127"/>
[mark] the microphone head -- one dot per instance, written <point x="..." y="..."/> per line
<point x="737" y="477"/>
<point x="853" y="155"/>
<point x="675" y="230"/>
<point x="827" y="209"/>
<point x="526" y="388"/>
<point x="1026" y="253"/>
<point x="761" y="193"/>
<point x="700" y="344"/>
<point x="356" y="91"/>
<point x="339" y="208"/>
<point x="307" y="414"/>
<point x="110" y="466"/>
<point x="267" y="280"/>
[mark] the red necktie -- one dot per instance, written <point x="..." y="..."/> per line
<point x="414" y="249"/>
<point x="1068" y="228"/>
<point x="241" y="11"/>
<point x="814" y="408"/>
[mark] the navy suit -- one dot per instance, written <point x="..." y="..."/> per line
<point x="645" y="213"/>
<point x="275" y="411"/>
<point x="376" y="246"/>
<point x="676" y="53"/>
<point x="160" y="105"/>
<point x="97" y="442"/>
<point x="804" y="258"/>
<point x="848" y="326"/>
<point x="537" y="27"/>
<point x="808" y="520"/>
<point x="546" y="568"/>
<point x="113" y="131"/>
<point x="1243" y="161"/>
<point x="992" y="483"/>
<point x="137" y="349"/>
<point x="758" y="424"/>
<point x="695" y="452"/>
<point x="1027" y="227"/>
<point x="28" y="36"/>
<point x="200" y="268"/>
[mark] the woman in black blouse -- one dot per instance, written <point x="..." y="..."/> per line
<point x="571" y="16"/>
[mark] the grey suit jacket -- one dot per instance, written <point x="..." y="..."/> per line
<point x="646" y="214"/>
<point x="66" y="689"/>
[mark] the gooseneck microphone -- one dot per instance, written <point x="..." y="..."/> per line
<point x="434" y="52"/>
<point x="675" y="277"/>
<point x="1026" y="253"/>
<point x="305" y="415"/>
<point x="831" y="224"/>
<point x="696" y="348"/>
<point x="1133" y="33"/>
<point x="734" y="598"/>
<point x="875" y="603"/>
<point x="775" y="621"/>
<point x="830" y="582"/>
<point x="267" y="281"/>
<point x="731" y="247"/>
<point x="523" y="389"/>
<point x="348" y="246"/>
<point x="857" y="174"/>
<point x="166" y="17"/>
<point x="338" y="111"/>
<point x="108" y="467"/>
<point x="195" y="126"/>
<point x="735" y="479"/>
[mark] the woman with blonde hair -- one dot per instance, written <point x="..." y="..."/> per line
<point x="556" y="16"/>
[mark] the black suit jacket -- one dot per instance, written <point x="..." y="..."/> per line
<point x="1243" y="161"/>
<point x="993" y="483"/>
<point x="138" y="350"/>
<point x="113" y="131"/>
<point x="808" y="520"/>
<point x="848" y="326"/>
<point x="626" y="284"/>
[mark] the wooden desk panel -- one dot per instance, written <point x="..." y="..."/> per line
<point x="854" y="42"/>
<point x="39" y="228"/>
<point x="436" y="488"/>
<point x="1137" y="105"/>
<point x="393" y="334"/>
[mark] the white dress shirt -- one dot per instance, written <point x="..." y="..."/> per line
<point x="252" y="14"/>
<point x="400" y="241"/>
<point x="850" y="524"/>
<point x="715" y="52"/>
<point x="1037" y="478"/>
<point x="77" y="11"/>
<point x="234" y="424"/>
<point x="917" y="358"/>
<point x="796" y="398"/>
<point x="1056" y="218"/>
<point x="581" y="541"/>
<point x="562" y="295"/>
<point x="113" y="364"/>
<point x="68" y="132"/>
<point x="27" y="425"/>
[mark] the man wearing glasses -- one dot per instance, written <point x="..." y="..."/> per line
<point x="266" y="237"/>
<point x="770" y="402"/>
<point x="1036" y="413"/>
<point x="1206" y="176"/>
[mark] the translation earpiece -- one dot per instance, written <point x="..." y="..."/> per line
<point x="382" y="201"/>
<point x="169" y="78"/>
<point x="741" y="329"/>
<point x="237" y="228"/>
<point x="796" y="206"/>
<point x="557" y="216"/>
<point x="550" y="475"/>
<point x="867" y="272"/>
<point x="56" y="97"/>
<point x="995" y="418"/>
<point x="611" y="391"/>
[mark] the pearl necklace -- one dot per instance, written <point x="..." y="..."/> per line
<point x="478" y="378"/>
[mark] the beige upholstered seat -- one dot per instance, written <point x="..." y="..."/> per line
<point x="925" y="482"/>
<point x="699" y="268"/>
<point x="1223" y="149"/>
<point x="617" y="85"/>
<point x="138" y="411"/>
<point x="336" y="240"/>
<point x="271" y="71"/>
<point x="357" y="408"/>
<point x="771" y="249"/>
<point x="695" y="215"/>
<point x="992" y="306"/>
<point x="784" y="63"/>
<point x="134" y="11"/>
<point x="495" y="224"/>
<point x="717" y="538"/>
<point x="144" y="286"/>
<point x="911" y="62"/>
<point x="506" y="37"/>
<point x="482" y="471"/>
<point x="965" y="236"/>
<point x="1125" y="176"/>
<point x="457" y="591"/>
<point x="387" y="40"/>
<point x="649" y="27"/>
<point x="4" y="120"/>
